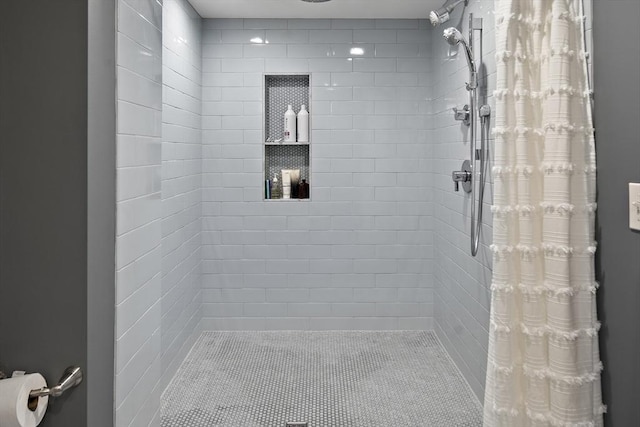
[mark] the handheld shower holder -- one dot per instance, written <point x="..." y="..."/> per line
<point x="473" y="83"/>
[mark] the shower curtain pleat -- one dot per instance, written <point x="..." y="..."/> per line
<point x="543" y="363"/>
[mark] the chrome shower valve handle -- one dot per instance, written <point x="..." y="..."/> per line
<point x="464" y="176"/>
<point x="463" y="115"/>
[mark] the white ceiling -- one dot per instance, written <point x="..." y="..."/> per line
<point x="396" y="9"/>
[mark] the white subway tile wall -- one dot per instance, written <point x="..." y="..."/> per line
<point x="462" y="282"/>
<point x="139" y="213"/>
<point x="159" y="182"/>
<point x="359" y="254"/>
<point x="181" y="183"/>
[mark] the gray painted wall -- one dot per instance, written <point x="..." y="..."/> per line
<point x="617" y="114"/>
<point x="101" y="219"/>
<point x="44" y="205"/>
<point x="43" y="194"/>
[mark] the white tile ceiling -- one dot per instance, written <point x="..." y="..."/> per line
<point x="298" y="9"/>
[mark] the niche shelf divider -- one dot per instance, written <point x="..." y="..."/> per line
<point x="280" y="90"/>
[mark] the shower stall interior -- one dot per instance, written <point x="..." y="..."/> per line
<point x="378" y="246"/>
<point x="382" y="244"/>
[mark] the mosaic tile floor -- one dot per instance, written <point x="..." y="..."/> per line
<point x="341" y="379"/>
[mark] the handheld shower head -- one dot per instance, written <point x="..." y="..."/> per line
<point x="454" y="37"/>
<point x="442" y="15"/>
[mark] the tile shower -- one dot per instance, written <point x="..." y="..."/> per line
<point x="358" y="255"/>
<point x="381" y="244"/>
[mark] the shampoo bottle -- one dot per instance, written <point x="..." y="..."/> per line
<point x="303" y="125"/>
<point x="290" y="125"/>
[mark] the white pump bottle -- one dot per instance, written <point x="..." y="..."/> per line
<point x="303" y="124"/>
<point x="290" y="125"/>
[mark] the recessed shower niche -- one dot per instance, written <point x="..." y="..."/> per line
<point x="280" y="91"/>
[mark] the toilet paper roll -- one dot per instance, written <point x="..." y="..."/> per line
<point x="15" y="408"/>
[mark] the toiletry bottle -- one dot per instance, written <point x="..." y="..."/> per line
<point x="295" y="181"/>
<point x="276" y="191"/>
<point x="290" y="125"/>
<point x="303" y="190"/>
<point x="303" y="124"/>
<point x="286" y="184"/>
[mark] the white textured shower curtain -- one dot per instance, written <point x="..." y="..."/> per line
<point x="543" y="363"/>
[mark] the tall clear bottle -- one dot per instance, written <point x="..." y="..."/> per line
<point x="276" y="189"/>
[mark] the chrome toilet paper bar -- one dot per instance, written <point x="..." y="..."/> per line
<point x="71" y="377"/>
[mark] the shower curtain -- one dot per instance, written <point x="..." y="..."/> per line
<point x="543" y="364"/>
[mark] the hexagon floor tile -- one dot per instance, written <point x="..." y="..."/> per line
<point x="337" y="379"/>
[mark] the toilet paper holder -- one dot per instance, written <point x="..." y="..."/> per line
<point x="71" y="377"/>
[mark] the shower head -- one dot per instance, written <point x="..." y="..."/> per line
<point x="454" y="37"/>
<point x="440" y="16"/>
